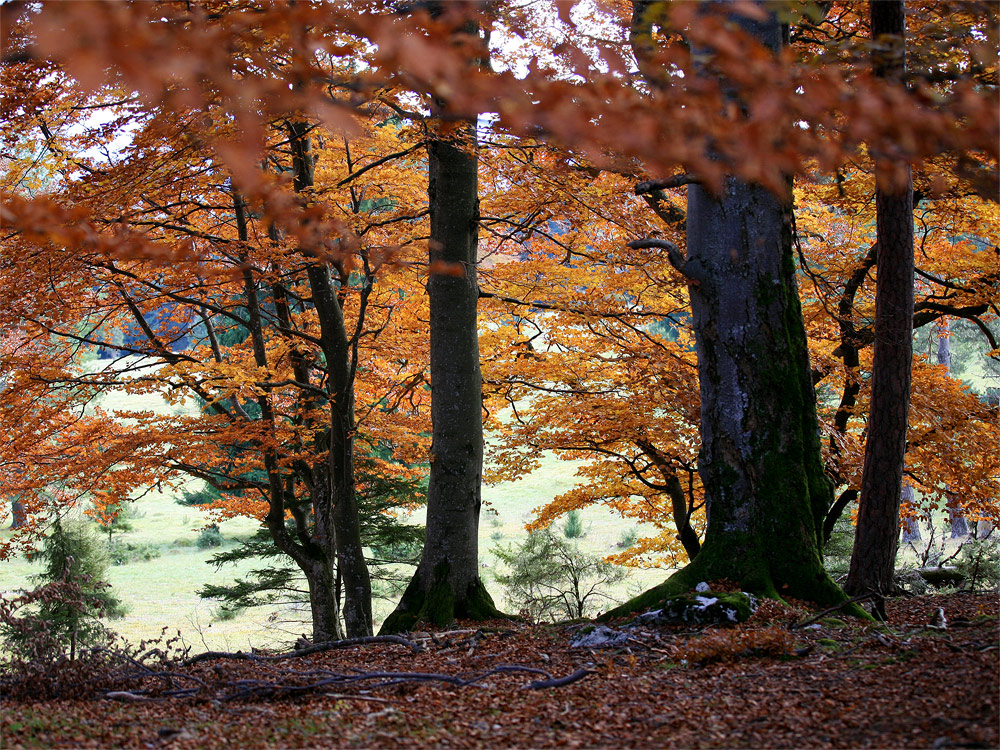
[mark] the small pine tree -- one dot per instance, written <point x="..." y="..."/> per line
<point x="573" y="529"/>
<point x="73" y="554"/>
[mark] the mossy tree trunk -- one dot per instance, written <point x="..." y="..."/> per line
<point x="446" y="584"/>
<point x="877" y="538"/>
<point x="765" y="487"/>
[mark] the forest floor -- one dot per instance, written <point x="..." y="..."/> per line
<point x="764" y="684"/>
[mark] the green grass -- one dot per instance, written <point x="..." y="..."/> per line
<point x="161" y="593"/>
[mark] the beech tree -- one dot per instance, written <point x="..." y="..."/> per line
<point x="446" y="583"/>
<point x="873" y="558"/>
<point x="760" y="459"/>
<point x="586" y="376"/>
<point x="280" y="326"/>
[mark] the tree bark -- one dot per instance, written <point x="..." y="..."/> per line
<point x="956" y="519"/>
<point x="911" y="527"/>
<point x="326" y="543"/>
<point x="876" y="541"/>
<point x="339" y="516"/>
<point x="446" y="584"/>
<point x="335" y="507"/>
<point x="944" y="343"/>
<point x="18" y="514"/>
<point x="760" y="463"/>
<point x="324" y="605"/>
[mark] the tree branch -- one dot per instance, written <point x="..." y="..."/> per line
<point x="666" y="183"/>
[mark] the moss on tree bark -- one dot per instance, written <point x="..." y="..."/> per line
<point x="434" y="600"/>
<point x="760" y="462"/>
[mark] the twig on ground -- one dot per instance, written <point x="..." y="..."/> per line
<point x="827" y="611"/>
<point x="125" y="695"/>
<point x="314" y="649"/>
<point x="577" y="675"/>
<point x="349" y="697"/>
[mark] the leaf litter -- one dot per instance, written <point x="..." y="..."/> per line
<point x="763" y="684"/>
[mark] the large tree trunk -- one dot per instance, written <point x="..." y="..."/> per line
<point x="876" y="541"/>
<point x="766" y="491"/>
<point x="446" y="584"/>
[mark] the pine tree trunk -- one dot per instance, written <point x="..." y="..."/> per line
<point x="876" y="541"/>
<point x="446" y="584"/>
<point x="766" y="493"/>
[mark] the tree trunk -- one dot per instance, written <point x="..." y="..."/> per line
<point x="875" y="544"/>
<point x="956" y="518"/>
<point x="944" y="343"/>
<point x="340" y="515"/>
<point x="18" y="514"/>
<point x="446" y="584"/>
<point x="765" y="488"/>
<point x="911" y="527"/>
<point x="335" y="532"/>
<point x="323" y="603"/>
<point x="338" y="525"/>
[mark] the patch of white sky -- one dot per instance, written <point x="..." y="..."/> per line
<point x="530" y="43"/>
<point x="121" y="139"/>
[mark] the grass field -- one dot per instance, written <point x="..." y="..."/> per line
<point x="161" y="592"/>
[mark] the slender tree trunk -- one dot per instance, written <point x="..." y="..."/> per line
<point x="681" y="510"/>
<point x="944" y="343"/>
<point x="849" y="350"/>
<point x="956" y="519"/>
<point x="335" y="535"/>
<point x="875" y="544"/>
<point x="911" y="527"/>
<point x="446" y="584"/>
<point x="765" y="487"/>
<point x="337" y="520"/>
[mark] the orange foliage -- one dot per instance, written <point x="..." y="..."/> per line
<point x="145" y="198"/>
